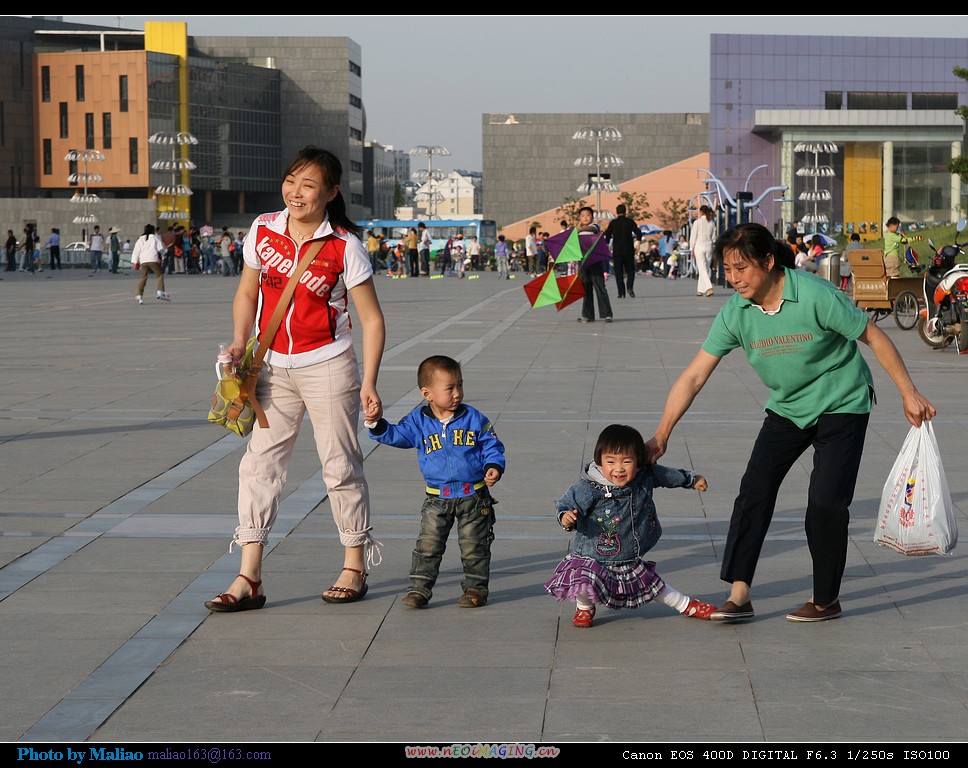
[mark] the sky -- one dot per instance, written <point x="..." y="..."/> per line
<point x="428" y="79"/>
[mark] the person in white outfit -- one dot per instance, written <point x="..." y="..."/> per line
<point x="146" y="256"/>
<point x="701" y="240"/>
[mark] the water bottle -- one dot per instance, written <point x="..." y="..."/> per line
<point x="224" y="368"/>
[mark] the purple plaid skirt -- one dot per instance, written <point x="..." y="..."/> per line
<point x="622" y="585"/>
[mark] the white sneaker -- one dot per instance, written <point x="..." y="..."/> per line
<point x="140" y="300"/>
<point x="164" y="296"/>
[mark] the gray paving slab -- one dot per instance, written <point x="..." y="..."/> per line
<point x="117" y="506"/>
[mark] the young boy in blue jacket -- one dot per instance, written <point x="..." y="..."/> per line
<point x="460" y="457"/>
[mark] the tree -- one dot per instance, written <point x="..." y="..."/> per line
<point x="674" y="214"/>
<point x="636" y="204"/>
<point x="959" y="165"/>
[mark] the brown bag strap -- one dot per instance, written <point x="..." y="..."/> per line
<point x="276" y="320"/>
<point x="247" y="390"/>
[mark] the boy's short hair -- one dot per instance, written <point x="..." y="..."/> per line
<point x="893" y="220"/>
<point x="620" y="438"/>
<point x="434" y="363"/>
<point x="587" y="208"/>
<point x="855" y="238"/>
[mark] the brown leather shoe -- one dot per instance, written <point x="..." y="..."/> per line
<point x="414" y="600"/>
<point x="472" y="598"/>
<point x="729" y="611"/>
<point x="810" y="612"/>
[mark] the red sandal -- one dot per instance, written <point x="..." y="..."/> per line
<point x="583" y="618"/>
<point x="347" y="595"/>
<point x="226" y="603"/>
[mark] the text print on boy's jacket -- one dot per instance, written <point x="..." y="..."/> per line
<point x="453" y="457"/>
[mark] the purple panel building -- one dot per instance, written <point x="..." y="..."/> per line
<point x="857" y="129"/>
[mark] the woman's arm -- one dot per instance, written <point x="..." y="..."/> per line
<point x="683" y="392"/>
<point x="374" y="338"/>
<point x="243" y="310"/>
<point x="917" y="408"/>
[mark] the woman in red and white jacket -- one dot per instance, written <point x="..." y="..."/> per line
<point x="310" y="367"/>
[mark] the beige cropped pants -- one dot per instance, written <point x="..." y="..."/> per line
<point x="330" y="393"/>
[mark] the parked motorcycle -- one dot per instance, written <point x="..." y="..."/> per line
<point x="944" y="318"/>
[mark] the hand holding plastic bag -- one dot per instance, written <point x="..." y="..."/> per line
<point x="916" y="515"/>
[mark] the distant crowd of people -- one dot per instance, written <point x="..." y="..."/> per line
<point x="195" y="250"/>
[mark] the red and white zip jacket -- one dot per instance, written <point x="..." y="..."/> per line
<point x="316" y="326"/>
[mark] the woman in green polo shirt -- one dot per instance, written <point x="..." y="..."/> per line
<point x="800" y="335"/>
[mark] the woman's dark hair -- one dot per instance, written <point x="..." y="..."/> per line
<point x="149" y="230"/>
<point x="619" y="438"/>
<point x="755" y="243"/>
<point x="332" y="170"/>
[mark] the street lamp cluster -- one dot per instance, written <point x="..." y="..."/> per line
<point x="80" y="158"/>
<point x="429" y="177"/>
<point x="816" y="194"/>
<point x="599" y="160"/>
<point x="85" y="177"/>
<point x="177" y="165"/>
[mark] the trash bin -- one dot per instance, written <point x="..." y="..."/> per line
<point x="829" y="267"/>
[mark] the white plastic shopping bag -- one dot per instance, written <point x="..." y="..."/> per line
<point x="916" y="515"/>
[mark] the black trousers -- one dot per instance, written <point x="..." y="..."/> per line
<point x="594" y="285"/>
<point x="838" y="443"/>
<point x="624" y="273"/>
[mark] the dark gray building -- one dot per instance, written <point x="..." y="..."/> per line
<point x="380" y="180"/>
<point x="321" y="99"/>
<point x="529" y="159"/>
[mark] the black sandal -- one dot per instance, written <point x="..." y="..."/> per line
<point x="226" y="603"/>
<point x="347" y="595"/>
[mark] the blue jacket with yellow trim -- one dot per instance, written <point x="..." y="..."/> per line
<point x="452" y="457"/>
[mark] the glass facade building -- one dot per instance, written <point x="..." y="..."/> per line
<point x="884" y="107"/>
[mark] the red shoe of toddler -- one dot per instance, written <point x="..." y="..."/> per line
<point x="584" y="618"/>
<point x="697" y="609"/>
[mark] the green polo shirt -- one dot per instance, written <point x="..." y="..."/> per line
<point x="806" y="354"/>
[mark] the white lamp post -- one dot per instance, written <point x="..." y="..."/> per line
<point x="599" y="160"/>
<point x="177" y="165"/>
<point x="84" y="177"/>
<point x="430" y="177"/>
<point x="816" y="172"/>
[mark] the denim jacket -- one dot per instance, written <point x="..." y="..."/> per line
<point x="618" y="525"/>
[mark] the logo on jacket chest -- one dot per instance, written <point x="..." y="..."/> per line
<point x="460" y="438"/>
<point x="609" y="544"/>
<point x="279" y="259"/>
